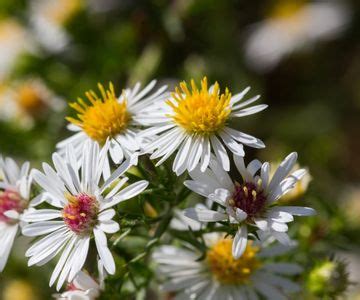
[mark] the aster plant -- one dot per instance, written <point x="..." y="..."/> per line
<point x="151" y="196"/>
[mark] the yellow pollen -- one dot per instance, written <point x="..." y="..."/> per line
<point x="200" y="111"/>
<point x="253" y="193"/>
<point x="72" y="199"/>
<point x="103" y="117"/>
<point x="246" y="191"/>
<point x="232" y="202"/>
<point x="228" y="270"/>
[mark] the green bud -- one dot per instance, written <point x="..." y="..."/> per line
<point x="328" y="279"/>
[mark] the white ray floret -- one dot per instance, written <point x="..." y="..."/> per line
<point x="251" y="201"/>
<point x="194" y="123"/>
<point x="82" y="209"/>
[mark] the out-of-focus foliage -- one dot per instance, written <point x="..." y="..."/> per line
<point x="313" y="96"/>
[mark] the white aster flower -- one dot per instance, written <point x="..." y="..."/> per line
<point x="15" y="185"/>
<point x="220" y="276"/>
<point x="83" y="287"/>
<point x="82" y="209"/>
<point x="250" y="202"/>
<point x="23" y="102"/>
<point x="112" y="118"/>
<point x="292" y="26"/>
<point x="195" y="124"/>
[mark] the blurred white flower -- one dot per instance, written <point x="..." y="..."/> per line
<point x="14" y="41"/>
<point x="48" y="17"/>
<point x="220" y="276"/>
<point x="292" y="26"/>
<point x="26" y="101"/>
<point x="251" y="202"/>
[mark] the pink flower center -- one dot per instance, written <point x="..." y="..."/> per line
<point x="10" y="200"/>
<point x="80" y="215"/>
<point x="249" y="198"/>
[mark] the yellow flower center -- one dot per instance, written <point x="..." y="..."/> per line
<point x="228" y="270"/>
<point x="286" y="8"/>
<point x="30" y="99"/>
<point x="200" y="111"/>
<point x="102" y="118"/>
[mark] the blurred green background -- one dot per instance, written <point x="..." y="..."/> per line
<point x="313" y="91"/>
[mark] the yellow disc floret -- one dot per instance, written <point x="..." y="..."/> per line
<point x="228" y="270"/>
<point x="101" y="118"/>
<point x="200" y="111"/>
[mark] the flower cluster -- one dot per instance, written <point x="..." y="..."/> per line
<point x="108" y="160"/>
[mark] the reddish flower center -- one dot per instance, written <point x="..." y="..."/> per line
<point x="10" y="200"/>
<point x="249" y="198"/>
<point x="80" y="215"/>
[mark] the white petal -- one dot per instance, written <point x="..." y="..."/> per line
<point x="104" y="252"/>
<point x="127" y="193"/>
<point x="195" y="153"/>
<point x="222" y="177"/>
<point x="240" y="165"/>
<point x="206" y="155"/>
<point x="7" y="243"/>
<point x="239" y="242"/>
<point x="116" y="152"/>
<point x="233" y="145"/>
<point x="262" y="224"/>
<point x="297" y="210"/>
<point x="49" y="251"/>
<point x="282" y="237"/>
<point x="46" y="241"/>
<point x="41" y="228"/>
<point x="109" y="226"/>
<point x="282" y="171"/>
<point x="204" y="215"/>
<point x="220" y="153"/>
<point x="81" y="252"/>
<point x="200" y="188"/>
<point x="106" y="215"/>
<point x="41" y="215"/>
<point x="240" y="215"/>
<point x="12" y="214"/>
<point x="280" y="216"/>
<point x="280" y="227"/>
<point x="220" y="196"/>
<point x="116" y="174"/>
<point x="249" y="111"/>
<point x="246" y="103"/>
<point x="63" y="258"/>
